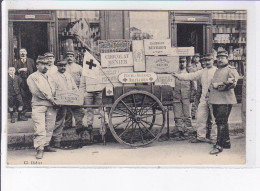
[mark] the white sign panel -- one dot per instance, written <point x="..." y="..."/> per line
<point x="162" y="64"/>
<point x="138" y="55"/>
<point x="137" y="77"/>
<point x="182" y="51"/>
<point x="116" y="59"/>
<point x="111" y="73"/>
<point x="165" y="79"/>
<point x="157" y="47"/>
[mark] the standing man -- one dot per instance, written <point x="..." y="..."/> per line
<point x="196" y="62"/>
<point x="205" y="76"/>
<point x="63" y="81"/>
<point x="222" y="97"/>
<point x="181" y="102"/>
<point x="50" y="59"/>
<point x="24" y="67"/>
<point x="75" y="71"/>
<point x="42" y="88"/>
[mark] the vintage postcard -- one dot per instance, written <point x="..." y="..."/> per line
<point x="125" y="87"/>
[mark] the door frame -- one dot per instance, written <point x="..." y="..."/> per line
<point x="50" y="17"/>
<point x="192" y="17"/>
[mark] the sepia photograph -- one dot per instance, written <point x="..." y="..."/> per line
<point x="126" y="87"/>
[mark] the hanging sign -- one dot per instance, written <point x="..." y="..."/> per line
<point x="165" y="79"/>
<point x="162" y="64"/>
<point x="157" y="47"/>
<point x="182" y="51"/>
<point x="141" y="77"/>
<point x="117" y="45"/>
<point x="138" y="55"/>
<point x="116" y="59"/>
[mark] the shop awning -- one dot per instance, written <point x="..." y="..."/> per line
<point x="229" y="15"/>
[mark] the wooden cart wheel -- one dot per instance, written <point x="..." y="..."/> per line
<point x="137" y="118"/>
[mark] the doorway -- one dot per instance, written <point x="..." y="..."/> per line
<point x="33" y="36"/>
<point x="190" y="35"/>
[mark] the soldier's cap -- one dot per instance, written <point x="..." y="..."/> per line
<point x="222" y="53"/>
<point x="208" y="57"/>
<point x="196" y="55"/>
<point x="61" y="62"/>
<point x="49" y="54"/>
<point x="70" y="53"/>
<point x="41" y="59"/>
<point x="182" y="59"/>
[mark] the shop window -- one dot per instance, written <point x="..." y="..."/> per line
<point x="149" y="25"/>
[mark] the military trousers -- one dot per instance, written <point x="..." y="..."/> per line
<point x="59" y="124"/>
<point x="182" y="114"/>
<point x="221" y="113"/>
<point x="204" y="117"/>
<point x="43" y="118"/>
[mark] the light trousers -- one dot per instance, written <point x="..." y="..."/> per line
<point x="43" y="118"/>
<point x="204" y="110"/>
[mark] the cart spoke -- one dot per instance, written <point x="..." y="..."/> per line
<point x="151" y="115"/>
<point x="123" y="115"/>
<point x="126" y="129"/>
<point x="142" y="104"/>
<point x="141" y="133"/>
<point x="127" y="107"/>
<point x="133" y="96"/>
<point x="148" y="130"/>
<point x="131" y="140"/>
<point x="149" y="107"/>
<point x="122" y="122"/>
<point x="149" y="123"/>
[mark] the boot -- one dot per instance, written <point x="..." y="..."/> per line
<point x="21" y="117"/>
<point x="49" y="149"/>
<point x="218" y="148"/>
<point x="12" y="117"/>
<point x="39" y="154"/>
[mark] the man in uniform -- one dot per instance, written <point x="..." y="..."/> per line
<point x="222" y="97"/>
<point x="196" y="62"/>
<point x="24" y="67"/>
<point x="63" y="81"/>
<point x="205" y="76"/>
<point x="42" y="88"/>
<point x="181" y="103"/>
<point x="50" y="59"/>
<point x="75" y="71"/>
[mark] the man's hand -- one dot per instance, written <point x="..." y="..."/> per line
<point x="52" y="100"/>
<point x="174" y="74"/>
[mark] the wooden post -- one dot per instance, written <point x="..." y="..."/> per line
<point x="10" y="44"/>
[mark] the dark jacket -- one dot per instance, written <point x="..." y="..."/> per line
<point x="14" y="85"/>
<point x="29" y="64"/>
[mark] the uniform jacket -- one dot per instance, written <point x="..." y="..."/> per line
<point x="182" y="89"/>
<point x="217" y="96"/>
<point x="29" y="64"/>
<point x="205" y="76"/>
<point x="14" y="85"/>
<point x="64" y="82"/>
<point x="75" y="71"/>
<point x="42" y="88"/>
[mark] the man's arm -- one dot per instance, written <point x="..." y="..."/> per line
<point x="189" y="76"/>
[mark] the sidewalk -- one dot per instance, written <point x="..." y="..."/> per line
<point x="20" y="133"/>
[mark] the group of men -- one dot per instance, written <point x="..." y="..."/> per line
<point x="212" y="87"/>
<point x="43" y="82"/>
<point x="215" y="96"/>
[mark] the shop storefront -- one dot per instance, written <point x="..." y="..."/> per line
<point x="60" y="31"/>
